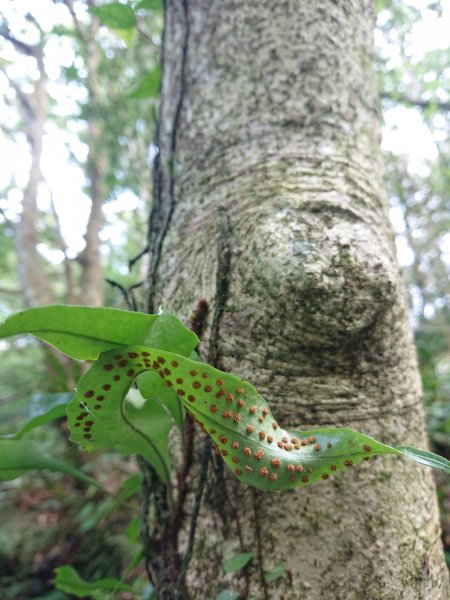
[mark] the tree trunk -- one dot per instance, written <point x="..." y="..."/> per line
<point x="34" y="281"/>
<point x="270" y="205"/>
<point x="92" y="289"/>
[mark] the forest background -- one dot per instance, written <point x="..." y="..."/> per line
<point x="79" y="101"/>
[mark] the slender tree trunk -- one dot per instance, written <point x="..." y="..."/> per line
<point x="36" y="287"/>
<point x="92" y="285"/>
<point x="270" y="205"/>
<point x="92" y="288"/>
<point x="34" y="281"/>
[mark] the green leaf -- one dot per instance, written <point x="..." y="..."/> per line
<point x="78" y="331"/>
<point x="274" y="574"/>
<point x="45" y="408"/>
<point x="231" y="411"/>
<point x="84" y="332"/>
<point x="91" y="513"/>
<point x="426" y="458"/>
<point x="151" y="425"/>
<point x="127" y="35"/>
<point x="228" y="595"/>
<point x="69" y="581"/>
<point x="137" y="558"/>
<point x="129" y="428"/>
<point x="18" y="457"/>
<point x="148" y="5"/>
<point x="148" y="86"/>
<point x="134" y="530"/>
<point x="129" y="487"/>
<point x="115" y="15"/>
<point x="237" y="562"/>
<point x="168" y="333"/>
<point x="154" y="389"/>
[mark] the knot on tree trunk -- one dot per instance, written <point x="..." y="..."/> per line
<point x="333" y="280"/>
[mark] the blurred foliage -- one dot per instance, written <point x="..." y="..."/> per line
<point x="52" y="534"/>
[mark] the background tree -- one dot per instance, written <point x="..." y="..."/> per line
<point x="124" y="80"/>
<point x="107" y="103"/>
<point x="415" y="89"/>
<point x="270" y="205"/>
<point x="415" y="85"/>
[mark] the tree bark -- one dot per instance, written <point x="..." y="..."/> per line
<point x="270" y="205"/>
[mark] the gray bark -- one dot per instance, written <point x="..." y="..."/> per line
<point x="269" y="151"/>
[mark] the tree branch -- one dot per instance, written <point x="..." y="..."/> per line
<point x="10" y="291"/>
<point x="22" y="47"/>
<point x="68" y="271"/>
<point x="194" y="517"/>
<point x="145" y="35"/>
<point x="124" y="291"/>
<point x="21" y="95"/>
<point x="411" y="101"/>
<point x="69" y="5"/>
<point x="8" y="131"/>
<point x="29" y="17"/>
<point x="134" y="260"/>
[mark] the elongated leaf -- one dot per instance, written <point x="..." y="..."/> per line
<point x="115" y="15"/>
<point x="45" y="408"/>
<point x="129" y="487"/>
<point x="275" y="573"/>
<point x="78" y="331"/>
<point x="231" y="411"/>
<point x="425" y="458"/>
<point x="69" y="581"/>
<point x="237" y="562"/>
<point x="84" y="333"/>
<point x="18" y="457"/>
<point x="134" y="530"/>
<point x="131" y="565"/>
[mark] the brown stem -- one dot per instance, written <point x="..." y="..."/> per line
<point x="259" y="549"/>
